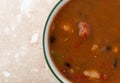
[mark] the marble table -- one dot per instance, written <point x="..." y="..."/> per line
<point x="21" y="54"/>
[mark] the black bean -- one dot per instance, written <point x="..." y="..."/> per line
<point x="107" y="48"/>
<point x="115" y="62"/>
<point x="52" y="39"/>
<point x="67" y="65"/>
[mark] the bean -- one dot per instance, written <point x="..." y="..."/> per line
<point x="67" y="64"/>
<point x="52" y="39"/>
<point x="115" y="62"/>
<point x="108" y="48"/>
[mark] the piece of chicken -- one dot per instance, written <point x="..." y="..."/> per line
<point x="92" y="74"/>
<point x="84" y="30"/>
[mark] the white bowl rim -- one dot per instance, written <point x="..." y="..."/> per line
<point x="48" y="59"/>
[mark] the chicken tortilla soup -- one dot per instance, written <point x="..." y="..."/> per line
<point x="84" y="41"/>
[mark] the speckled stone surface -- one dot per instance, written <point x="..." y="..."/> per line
<point x="21" y="54"/>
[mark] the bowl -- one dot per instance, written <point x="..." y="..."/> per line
<point x="47" y="56"/>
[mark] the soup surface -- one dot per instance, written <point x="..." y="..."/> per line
<point x="84" y="41"/>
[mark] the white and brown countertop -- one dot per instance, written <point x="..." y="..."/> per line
<point x="21" y="54"/>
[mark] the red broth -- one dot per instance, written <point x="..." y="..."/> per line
<point x="84" y="41"/>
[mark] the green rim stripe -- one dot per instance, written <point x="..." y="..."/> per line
<point x="44" y="42"/>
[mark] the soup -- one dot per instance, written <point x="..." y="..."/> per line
<point x="84" y="41"/>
